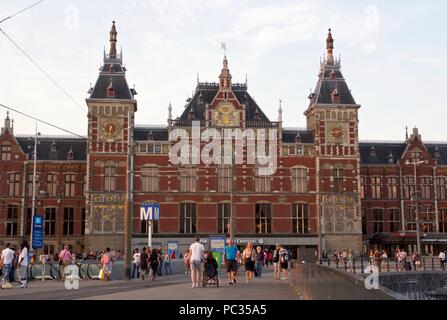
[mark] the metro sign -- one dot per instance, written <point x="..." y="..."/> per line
<point x="149" y="211"/>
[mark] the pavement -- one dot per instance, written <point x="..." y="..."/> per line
<point x="174" y="287"/>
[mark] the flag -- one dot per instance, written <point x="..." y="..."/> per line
<point x="223" y="46"/>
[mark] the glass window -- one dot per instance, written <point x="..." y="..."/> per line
<point x="377" y="220"/>
<point x="427" y="219"/>
<point x="6" y="152"/>
<point x="442" y="187"/>
<point x="68" y="229"/>
<point x="300" y="218"/>
<point x="443" y="220"/>
<point x="223" y="217"/>
<point x="12" y="220"/>
<point x="14" y="184"/>
<point x="338" y="180"/>
<point x="299" y="180"/>
<point x="410" y="218"/>
<point x="362" y="187"/>
<point x="149" y="179"/>
<point x="30" y="184"/>
<point x="393" y="187"/>
<point x="426" y="188"/>
<point x="188" y="179"/>
<point x="70" y="184"/>
<point x="50" y="221"/>
<point x="224" y="179"/>
<point x="110" y="178"/>
<point x="263" y="218"/>
<point x="263" y="184"/>
<point x="82" y="221"/>
<point x="376" y="187"/>
<point x="394" y="220"/>
<point x="188" y="218"/>
<point x="409" y="187"/>
<point x="52" y="184"/>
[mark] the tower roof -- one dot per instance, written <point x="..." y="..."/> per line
<point x="112" y="72"/>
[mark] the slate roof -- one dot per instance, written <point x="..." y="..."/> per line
<point x="331" y="79"/>
<point x="61" y="150"/>
<point x="205" y="93"/>
<point x="380" y="153"/>
<point x="289" y="136"/>
<point x="143" y="133"/>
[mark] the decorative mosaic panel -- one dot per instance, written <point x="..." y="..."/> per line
<point x="340" y="214"/>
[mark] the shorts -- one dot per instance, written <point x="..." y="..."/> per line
<point x="196" y="265"/>
<point x="231" y="266"/>
<point x="284" y="265"/>
<point x="250" y="266"/>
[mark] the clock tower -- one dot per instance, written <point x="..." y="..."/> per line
<point x="332" y="115"/>
<point x="111" y="109"/>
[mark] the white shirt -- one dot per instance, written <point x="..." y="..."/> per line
<point x="136" y="257"/>
<point x="24" y="255"/>
<point x="196" y="251"/>
<point x="7" y="256"/>
<point x="442" y="255"/>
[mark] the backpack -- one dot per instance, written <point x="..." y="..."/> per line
<point x="286" y="255"/>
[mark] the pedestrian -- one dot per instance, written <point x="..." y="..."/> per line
<point x="186" y="264"/>
<point x="154" y="262"/>
<point x="350" y="258"/>
<point x="6" y="263"/>
<point x="167" y="264"/>
<point x="65" y="259"/>
<point x="23" y="264"/>
<point x="249" y="256"/>
<point x="106" y="264"/>
<point x="15" y="262"/>
<point x="276" y="266"/>
<point x="144" y="263"/>
<point x="161" y="262"/>
<point x="260" y="258"/>
<point x="442" y="257"/>
<point x="284" y="262"/>
<point x="403" y="260"/>
<point x="136" y="263"/>
<point x="196" y="252"/>
<point x="230" y="260"/>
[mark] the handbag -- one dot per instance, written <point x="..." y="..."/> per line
<point x="101" y="274"/>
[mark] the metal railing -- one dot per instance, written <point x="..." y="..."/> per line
<point x="53" y="270"/>
<point x="368" y="265"/>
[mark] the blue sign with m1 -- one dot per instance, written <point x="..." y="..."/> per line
<point x="37" y="232"/>
<point x="150" y="211"/>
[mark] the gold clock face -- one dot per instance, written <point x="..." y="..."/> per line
<point x="110" y="129"/>
<point x="337" y="132"/>
<point x="226" y="115"/>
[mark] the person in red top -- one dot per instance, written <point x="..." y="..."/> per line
<point x="65" y="258"/>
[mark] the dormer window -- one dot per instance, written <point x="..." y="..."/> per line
<point x="332" y="75"/>
<point x="436" y="153"/>
<point x="53" y="147"/>
<point x="111" y="91"/>
<point x="372" y="151"/>
<point x="257" y="115"/>
<point x="71" y="154"/>
<point x="151" y="136"/>
<point x="191" y="115"/>
<point x="391" y="158"/>
<point x="335" y="96"/>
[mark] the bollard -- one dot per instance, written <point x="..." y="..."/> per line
<point x="362" y="270"/>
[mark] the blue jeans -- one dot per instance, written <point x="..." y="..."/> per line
<point x="135" y="269"/>
<point x="258" y="268"/>
<point x="6" y="272"/>
<point x="160" y="269"/>
<point x="168" y="266"/>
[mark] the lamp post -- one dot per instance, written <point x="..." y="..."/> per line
<point x="415" y="162"/>
<point x="33" y="208"/>
<point x="232" y="217"/>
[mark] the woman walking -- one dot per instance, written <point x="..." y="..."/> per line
<point x="249" y="257"/>
<point x="154" y="259"/>
<point x="23" y="264"/>
<point x="106" y="264"/>
<point x="144" y="263"/>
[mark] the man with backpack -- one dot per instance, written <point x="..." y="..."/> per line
<point x="284" y="258"/>
<point x="276" y="264"/>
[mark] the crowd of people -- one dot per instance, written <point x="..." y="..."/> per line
<point x="13" y="259"/>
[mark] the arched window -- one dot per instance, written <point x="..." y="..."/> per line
<point x="149" y="179"/>
<point x="263" y="217"/>
<point x="299" y="180"/>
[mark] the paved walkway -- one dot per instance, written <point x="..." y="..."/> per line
<point x="176" y="287"/>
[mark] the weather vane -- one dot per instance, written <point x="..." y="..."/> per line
<point x="223" y="46"/>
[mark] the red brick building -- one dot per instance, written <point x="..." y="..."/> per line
<point x="314" y="199"/>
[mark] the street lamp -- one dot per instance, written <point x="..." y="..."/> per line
<point x="415" y="162"/>
<point x="232" y="220"/>
<point x="33" y="209"/>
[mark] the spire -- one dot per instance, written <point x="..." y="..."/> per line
<point x="225" y="76"/>
<point x="406" y="132"/>
<point x="329" y="48"/>
<point x="113" y="41"/>
<point x="7" y="127"/>
<point x="280" y="111"/>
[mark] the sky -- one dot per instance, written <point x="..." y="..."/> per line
<point x="392" y="54"/>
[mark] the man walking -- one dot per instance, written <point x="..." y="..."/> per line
<point x="136" y="264"/>
<point x="7" y="259"/>
<point x="65" y="258"/>
<point x="23" y="264"/>
<point x="231" y="256"/>
<point x="284" y="262"/>
<point x="196" y="252"/>
<point x="442" y="259"/>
